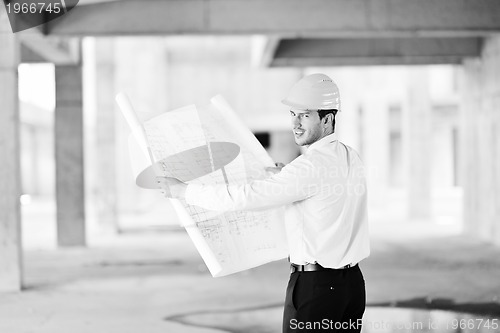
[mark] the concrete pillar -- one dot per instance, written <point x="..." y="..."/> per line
<point x="480" y="91"/>
<point x="470" y="108"/>
<point x="496" y="170"/>
<point x="105" y="135"/>
<point x="375" y="129"/>
<point x="69" y="156"/>
<point x="417" y="144"/>
<point x="489" y="140"/>
<point x="141" y="72"/>
<point x="10" y="171"/>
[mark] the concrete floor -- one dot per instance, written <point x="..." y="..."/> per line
<point x="156" y="282"/>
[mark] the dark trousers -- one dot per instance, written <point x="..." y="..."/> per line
<point x="331" y="300"/>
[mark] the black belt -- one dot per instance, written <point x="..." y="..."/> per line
<point x="314" y="267"/>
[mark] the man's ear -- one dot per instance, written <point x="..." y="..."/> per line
<point x="325" y="119"/>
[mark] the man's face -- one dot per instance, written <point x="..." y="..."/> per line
<point x="306" y="126"/>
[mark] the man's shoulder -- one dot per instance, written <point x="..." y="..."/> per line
<point x="352" y="151"/>
<point x="331" y="154"/>
<point x="348" y="147"/>
<point x="326" y="155"/>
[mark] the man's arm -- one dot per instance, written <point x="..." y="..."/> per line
<point x="295" y="182"/>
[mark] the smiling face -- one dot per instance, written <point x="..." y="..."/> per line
<point x="307" y="127"/>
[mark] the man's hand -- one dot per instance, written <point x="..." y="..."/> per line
<point x="277" y="168"/>
<point x="172" y="187"/>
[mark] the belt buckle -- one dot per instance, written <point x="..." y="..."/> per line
<point x="296" y="268"/>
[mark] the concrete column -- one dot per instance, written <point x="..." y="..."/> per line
<point x="417" y="144"/>
<point x="375" y="128"/>
<point x="470" y="108"/>
<point x="144" y="77"/>
<point x="69" y="156"/>
<point x="496" y="166"/>
<point x="105" y="142"/>
<point x="489" y="140"/>
<point x="480" y="91"/>
<point x="10" y="171"/>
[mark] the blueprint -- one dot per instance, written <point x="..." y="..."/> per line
<point x="210" y="145"/>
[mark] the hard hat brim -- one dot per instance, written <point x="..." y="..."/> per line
<point x="305" y="107"/>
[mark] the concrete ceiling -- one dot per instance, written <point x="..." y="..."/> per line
<point x="305" y="33"/>
<point x="289" y="18"/>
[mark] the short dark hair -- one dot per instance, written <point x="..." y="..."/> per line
<point x="323" y="113"/>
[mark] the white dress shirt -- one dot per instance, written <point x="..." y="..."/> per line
<point x="324" y="193"/>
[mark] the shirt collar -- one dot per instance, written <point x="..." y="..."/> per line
<point x="323" y="141"/>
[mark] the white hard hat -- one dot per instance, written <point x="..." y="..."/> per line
<point x="314" y="92"/>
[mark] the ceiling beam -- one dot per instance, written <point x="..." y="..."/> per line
<point x="291" y="18"/>
<point x="375" y="51"/>
<point x="59" y="51"/>
<point x="367" y="61"/>
<point x="264" y="49"/>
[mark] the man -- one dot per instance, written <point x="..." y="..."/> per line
<point x="324" y="193"/>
